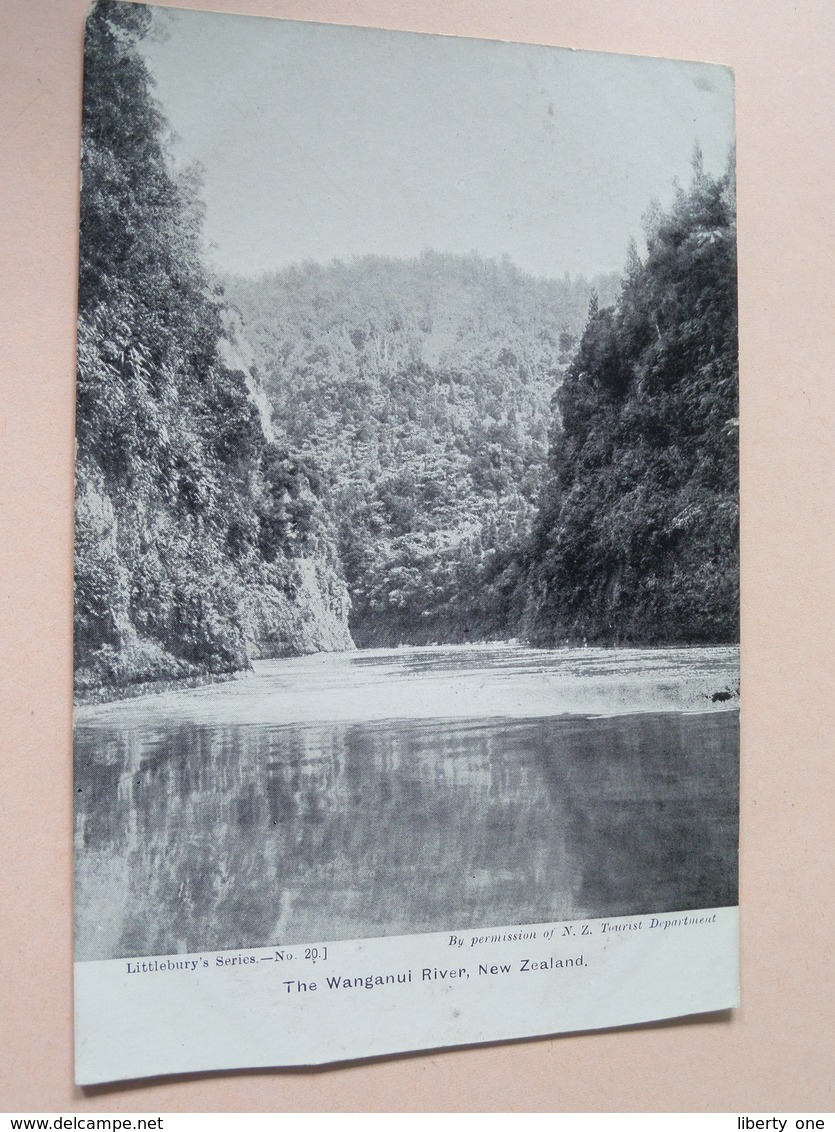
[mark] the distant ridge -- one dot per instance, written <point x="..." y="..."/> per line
<point x="422" y="389"/>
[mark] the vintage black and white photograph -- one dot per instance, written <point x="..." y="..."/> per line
<point x="406" y="553"/>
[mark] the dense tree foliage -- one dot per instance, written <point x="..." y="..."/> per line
<point x="201" y="538"/>
<point x="637" y="537"/>
<point x="422" y="389"/>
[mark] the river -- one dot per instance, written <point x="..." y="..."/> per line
<point x="387" y="792"/>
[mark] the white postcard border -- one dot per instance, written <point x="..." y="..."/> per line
<point x="281" y="1006"/>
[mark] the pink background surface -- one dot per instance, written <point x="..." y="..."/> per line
<point x="776" y="1052"/>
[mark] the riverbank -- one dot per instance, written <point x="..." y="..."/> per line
<point x="110" y="693"/>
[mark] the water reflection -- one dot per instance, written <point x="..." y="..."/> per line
<point x="193" y="837"/>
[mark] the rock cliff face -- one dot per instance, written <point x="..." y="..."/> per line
<point x="160" y="597"/>
<point x="202" y="540"/>
<point x="316" y="621"/>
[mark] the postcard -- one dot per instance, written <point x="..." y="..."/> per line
<point x="406" y="558"/>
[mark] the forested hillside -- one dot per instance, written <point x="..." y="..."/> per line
<point x="442" y="449"/>
<point x="637" y="536"/>
<point x="202" y="538"/>
<point x="422" y="388"/>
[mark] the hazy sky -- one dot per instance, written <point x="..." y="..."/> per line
<point x="320" y="141"/>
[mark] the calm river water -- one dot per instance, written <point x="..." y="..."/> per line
<point x="397" y="791"/>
